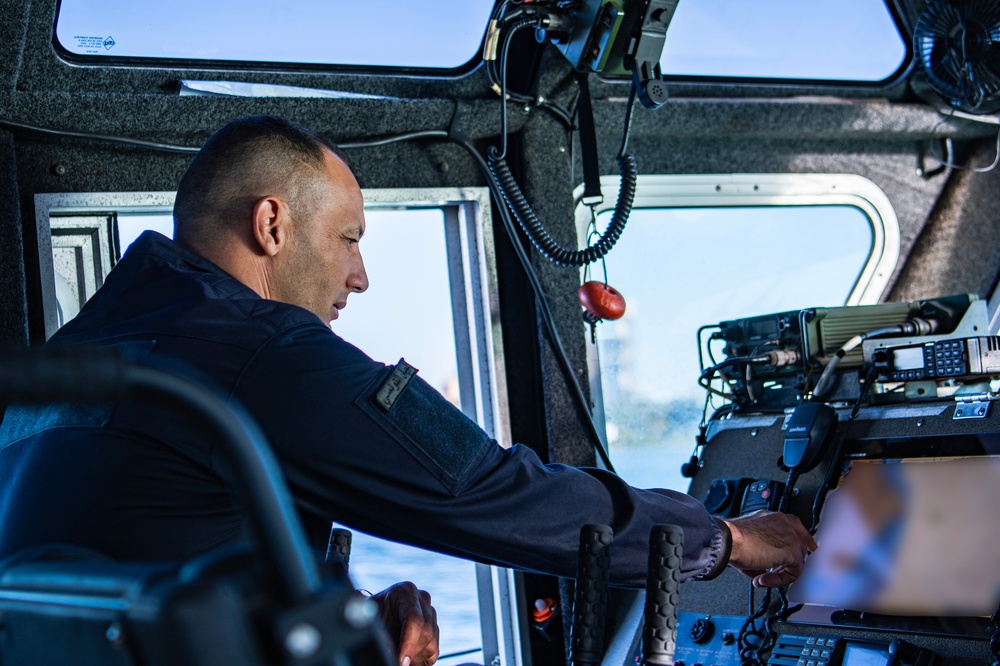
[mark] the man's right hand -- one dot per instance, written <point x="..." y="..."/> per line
<point x="769" y="547"/>
<point x="411" y="622"/>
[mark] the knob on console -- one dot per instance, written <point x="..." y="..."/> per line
<point x="701" y="630"/>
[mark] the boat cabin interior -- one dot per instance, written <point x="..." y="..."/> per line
<point x="746" y="251"/>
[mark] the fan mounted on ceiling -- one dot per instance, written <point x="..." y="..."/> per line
<point x="958" y="45"/>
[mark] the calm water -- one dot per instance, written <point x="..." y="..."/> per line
<point x="377" y="564"/>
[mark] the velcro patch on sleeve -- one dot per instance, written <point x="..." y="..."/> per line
<point x="394" y="385"/>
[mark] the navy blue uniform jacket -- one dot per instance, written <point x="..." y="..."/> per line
<point x="139" y="483"/>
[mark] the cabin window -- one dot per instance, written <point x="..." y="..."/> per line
<point x="398" y="246"/>
<point x="698" y="250"/>
<point x="378" y="33"/>
<point x="847" y="40"/>
<point x="439" y="322"/>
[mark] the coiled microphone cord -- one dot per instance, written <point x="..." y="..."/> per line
<point x="541" y="238"/>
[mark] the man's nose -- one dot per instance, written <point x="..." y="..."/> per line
<point x="358" y="278"/>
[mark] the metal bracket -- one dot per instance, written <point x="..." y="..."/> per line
<point x="974" y="406"/>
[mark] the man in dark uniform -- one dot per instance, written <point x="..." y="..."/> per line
<point x="268" y="220"/>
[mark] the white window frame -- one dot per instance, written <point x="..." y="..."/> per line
<point x="475" y="308"/>
<point x="724" y="190"/>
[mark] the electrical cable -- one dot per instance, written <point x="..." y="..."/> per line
<point x="786" y="496"/>
<point x="946" y="161"/>
<point x="514" y="198"/>
<point x="838" y="455"/>
<point x="549" y="248"/>
<point x="831" y="471"/>
<point x="715" y="336"/>
<point x="731" y="397"/>
<point x="563" y="115"/>
<point x="193" y="150"/>
<point x="913" y="326"/>
<point x="497" y="83"/>
<point x="994" y="639"/>
<point x="759" y="359"/>
<point x="766" y="636"/>
<point x="629" y="106"/>
<point x="750" y="650"/>
<point x="513" y="30"/>
<point x="410" y="136"/>
<point x="120" y="140"/>
<point x="707" y="383"/>
<point x="541" y="300"/>
<point x="691" y="467"/>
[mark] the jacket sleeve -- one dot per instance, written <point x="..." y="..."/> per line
<point x="376" y="448"/>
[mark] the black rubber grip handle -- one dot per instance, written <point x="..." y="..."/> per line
<point x="591" y="602"/>
<point x="338" y="551"/>
<point x="659" y="634"/>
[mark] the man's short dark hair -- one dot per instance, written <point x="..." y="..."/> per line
<point x="249" y="158"/>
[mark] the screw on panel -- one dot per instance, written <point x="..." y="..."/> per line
<point x="753" y="433"/>
<point x="59" y="169"/>
<point x="303" y="641"/>
<point x="920" y="423"/>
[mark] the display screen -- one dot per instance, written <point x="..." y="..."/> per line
<point x="910" y="537"/>
<point x="908" y="358"/>
<point x="864" y="655"/>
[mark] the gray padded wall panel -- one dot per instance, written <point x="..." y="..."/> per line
<point x="13" y="30"/>
<point x="957" y="251"/>
<point x="876" y="140"/>
<point x="13" y="300"/>
<point x="548" y="187"/>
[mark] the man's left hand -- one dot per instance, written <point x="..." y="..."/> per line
<point x="411" y="622"/>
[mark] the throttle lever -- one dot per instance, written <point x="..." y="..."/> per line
<point x="591" y="600"/>
<point x="659" y="633"/>
<point x="338" y="550"/>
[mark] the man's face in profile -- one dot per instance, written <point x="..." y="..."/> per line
<point x="326" y="266"/>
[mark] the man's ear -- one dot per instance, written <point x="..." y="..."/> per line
<point x="270" y="216"/>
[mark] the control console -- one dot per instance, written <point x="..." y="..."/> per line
<point x="836" y="651"/>
<point x="708" y="640"/>
<point x="712" y="640"/>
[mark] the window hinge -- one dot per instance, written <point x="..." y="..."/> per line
<point x="975" y="406"/>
